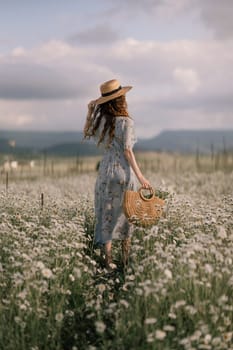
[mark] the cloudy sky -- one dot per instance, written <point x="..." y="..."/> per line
<point x="177" y="54"/>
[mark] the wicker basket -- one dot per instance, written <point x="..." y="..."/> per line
<point x="141" y="210"/>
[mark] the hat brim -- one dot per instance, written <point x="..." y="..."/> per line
<point x="119" y="93"/>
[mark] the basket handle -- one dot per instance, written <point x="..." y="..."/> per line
<point x="142" y="196"/>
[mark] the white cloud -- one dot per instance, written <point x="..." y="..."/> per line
<point x="23" y="120"/>
<point x="188" y="78"/>
<point x="159" y="7"/>
<point x="177" y="83"/>
<point x="18" y="52"/>
<point x="34" y="81"/>
<point x="96" y="35"/>
<point x="217" y="15"/>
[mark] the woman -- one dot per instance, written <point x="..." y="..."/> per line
<point x="108" y="121"/>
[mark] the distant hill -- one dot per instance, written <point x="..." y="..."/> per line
<point x="188" y="141"/>
<point x="74" y="149"/>
<point x="38" y="140"/>
<point x="8" y="147"/>
<point x="70" y="143"/>
<point x="4" y="145"/>
<point x="54" y="143"/>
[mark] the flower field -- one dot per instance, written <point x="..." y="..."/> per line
<point x="177" y="292"/>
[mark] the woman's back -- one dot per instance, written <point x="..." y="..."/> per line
<point x="124" y="134"/>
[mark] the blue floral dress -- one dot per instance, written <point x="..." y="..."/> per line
<point x="114" y="177"/>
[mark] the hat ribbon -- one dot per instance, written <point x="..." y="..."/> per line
<point x="111" y="92"/>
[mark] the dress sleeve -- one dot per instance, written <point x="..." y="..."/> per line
<point x="129" y="137"/>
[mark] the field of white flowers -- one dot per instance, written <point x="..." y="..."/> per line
<point x="175" y="294"/>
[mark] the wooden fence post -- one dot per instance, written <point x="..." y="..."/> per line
<point x="7" y="181"/>
<point x="42" y="201"/>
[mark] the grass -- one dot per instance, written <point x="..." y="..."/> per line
<point x="175" y="294"/>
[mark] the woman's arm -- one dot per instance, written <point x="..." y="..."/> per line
<point x="129" y="155"/>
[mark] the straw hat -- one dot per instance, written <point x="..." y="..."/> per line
<point x="111" y="89"/>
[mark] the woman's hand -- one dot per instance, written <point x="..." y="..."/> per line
<point x="145" y="183"/>
<point x="91" y="106"/>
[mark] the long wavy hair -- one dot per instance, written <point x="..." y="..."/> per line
<point x="108" y="111"/>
